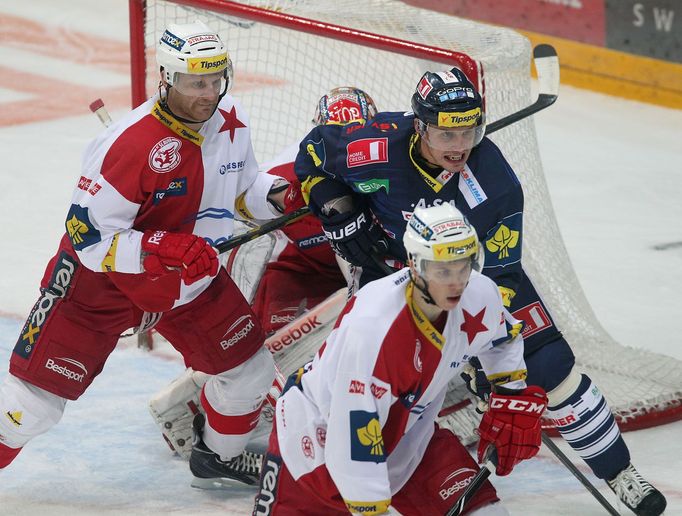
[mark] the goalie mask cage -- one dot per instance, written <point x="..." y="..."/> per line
<point x="288" y="53"/>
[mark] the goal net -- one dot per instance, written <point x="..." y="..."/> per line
<point x="287" y="53"/>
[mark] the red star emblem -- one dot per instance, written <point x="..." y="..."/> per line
<point x="473" y="324"/>
<point x="231" y="123"/>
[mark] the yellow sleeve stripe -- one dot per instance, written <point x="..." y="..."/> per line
<point x="507" y="295"/>
<point x="507" y="377"/>
<point x="368" y="508"/>
<point x="307" y="186"/>
<point x="240" y="206"/>
<point x="109" y="261"/>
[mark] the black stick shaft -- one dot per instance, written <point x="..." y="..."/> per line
<point x="547" y="440"/>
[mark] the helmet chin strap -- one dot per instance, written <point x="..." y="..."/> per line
<point x="423" y="289"/>
<point x="163" y="102"/>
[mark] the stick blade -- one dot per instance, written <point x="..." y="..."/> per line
<point x="547" y="66"/>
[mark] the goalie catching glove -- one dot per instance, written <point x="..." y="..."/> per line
<point x="354" y="235"/>
<point x="195" y="258"/>
<point x="512" y="425"/>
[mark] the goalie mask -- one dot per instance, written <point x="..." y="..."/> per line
<point x="449" y="110"/>
<point x="194" y="60"/>
<point x="437" y="236"/>
<point x="344" y="105"/>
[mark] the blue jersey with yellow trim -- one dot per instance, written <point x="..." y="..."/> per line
<point x="376" y="162"/>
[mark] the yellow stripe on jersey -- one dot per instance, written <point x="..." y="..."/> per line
<point x="507" y="296"/>
<point x="176" y="126"/>
<point x="240" y="206"/>
<point x="307" y="186"/>
<point x="109" y="262"/>
<point x="423" y="324"/>
<point x="435" y="185"/>
<point x="369" y="508"/>
<point x="507" y="377"/>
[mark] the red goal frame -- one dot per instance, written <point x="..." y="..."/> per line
<point x="138" y="62"/>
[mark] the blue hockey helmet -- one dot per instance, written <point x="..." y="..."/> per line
<point x="448" y="100"/>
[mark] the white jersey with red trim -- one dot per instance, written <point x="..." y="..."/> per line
<point x="367" y="406"/>
<point x="149" y="171"/>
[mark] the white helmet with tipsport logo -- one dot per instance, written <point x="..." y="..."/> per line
<point x="194" y="49"/>
<point x="441" y="234"/>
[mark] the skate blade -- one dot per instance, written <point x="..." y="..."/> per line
<point x="218" y="483"/>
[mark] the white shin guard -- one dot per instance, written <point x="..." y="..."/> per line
<point x="26" y="411"/>
<point x="234" y="394"/>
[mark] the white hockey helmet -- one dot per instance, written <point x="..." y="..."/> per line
<point x="344" y="105"/>
<point x="441" y="234"/>
<point x="193" y="49"/>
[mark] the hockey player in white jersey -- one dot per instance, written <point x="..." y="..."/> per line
<point x="302" y="271"/>
<point x="157" y="190"/>
<point x="355" y="431"/>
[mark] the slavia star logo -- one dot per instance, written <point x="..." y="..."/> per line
<point x="473" y="324"/>
<point x="76" y="229"/>
<point x="232" y="123"/>
<point x="370" y="435"/>
<point x="502" y="241"/>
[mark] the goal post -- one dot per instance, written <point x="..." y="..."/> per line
<point x="287" y="53"/>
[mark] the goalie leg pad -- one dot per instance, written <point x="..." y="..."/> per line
<point x="233" y="400"/>
<point x="174" y="407"/>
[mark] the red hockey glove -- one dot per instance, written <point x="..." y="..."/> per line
<point x="194" y="257"/>
<point x="293" y="200"/>
<point x="512" y="425"/>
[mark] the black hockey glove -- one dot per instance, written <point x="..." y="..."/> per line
<point x="355" y="235"/>
<point x="477" y="383"/>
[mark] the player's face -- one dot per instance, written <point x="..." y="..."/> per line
<point x="447" y="281"/>
<point x="448" y="148"/>
<point x="195" y="97"/>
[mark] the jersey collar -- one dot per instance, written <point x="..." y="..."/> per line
<point x="425" y="327"/>
<point x="435" y="183"/>
<point x="176" y="126"/>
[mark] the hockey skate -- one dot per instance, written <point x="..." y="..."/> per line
<point x="636" y="493"/>
<point x="210" y="472"/>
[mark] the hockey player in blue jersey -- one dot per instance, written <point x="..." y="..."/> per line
<point x="364" y="182"/>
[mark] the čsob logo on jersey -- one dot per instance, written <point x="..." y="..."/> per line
<point x="232" y="166"/>
<point x="366" y="441"/>
<point x="176" y="187"/>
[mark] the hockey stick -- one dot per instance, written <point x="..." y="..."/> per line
<point x="97" y="107"/>
<point x="263" y="229"/>
<point x="476" y="483"/>
<point x="547" y="440"/>
<point x="547" y="68"/>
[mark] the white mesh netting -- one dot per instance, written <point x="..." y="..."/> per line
<point x="280" y="74"/>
